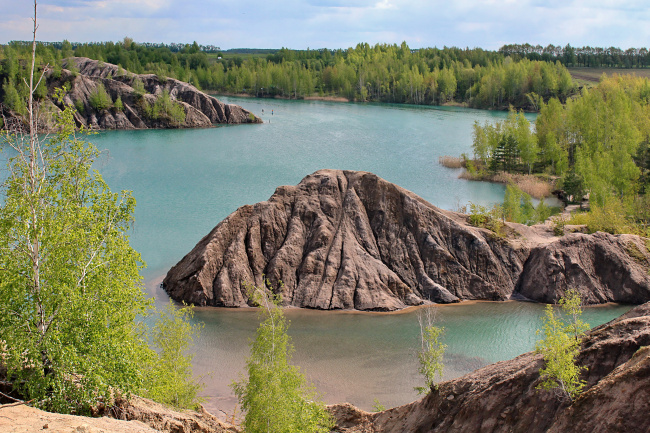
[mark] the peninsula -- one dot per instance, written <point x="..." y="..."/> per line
<point x="108" y="97"/>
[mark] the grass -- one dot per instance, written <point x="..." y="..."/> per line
<point x="633" y="251"/>
<point x="450" y="161"/>
<point x="533" y="185"/>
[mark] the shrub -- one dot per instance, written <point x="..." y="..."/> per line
<point x="119" y="106"/>
<point x="561" y="346"/>
<point x="138" y="87"/>
<point x="79" y="106"/>
<point x="275" y="395"/>
<point x="99" y="99"/>
<point x="482" y="216"/>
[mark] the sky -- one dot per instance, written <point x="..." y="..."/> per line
<point x="302" y="24"/>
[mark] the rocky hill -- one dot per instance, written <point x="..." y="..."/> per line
<point x="351" y="240"/>
<point x="502" y="397"/>
<point x="145" y="101"/>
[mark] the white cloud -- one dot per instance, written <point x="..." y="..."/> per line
<point x="336" y="23"/>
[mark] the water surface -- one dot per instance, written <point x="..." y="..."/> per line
<point x="186" y="181"/>
<point x="359" y="357"/>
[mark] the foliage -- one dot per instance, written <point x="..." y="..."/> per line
<point x="138" y="87"/>
<point x="593" y="57"/>
<point x="275" y="395"/>
<point x="610" y="217"/>
<point x="377" y="406"/>
<point x="571" y="305"/>
<point x="12" y="99"/>
<point x="596" y="144"/>
<point x="561" y="346"/>
<point x="71" y="298"/>
<point x="118" y="104"/>
<point x="170" y="378"/>
<point x="164" y="108"/>
<point x="79" y="106"/>
<point x="431" y="352"/>
<point x="482" y="216"/>
<point x="518" y="207"/>
<point x="381" y="73"/>
<point x="99" y="98"/>
<point x="507" y="146"/>
<point x="68" y="318"/>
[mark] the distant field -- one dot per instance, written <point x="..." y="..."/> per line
<point x="591" y="76"/>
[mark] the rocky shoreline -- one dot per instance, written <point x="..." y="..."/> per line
<point x="502" y="397"/>
<point x="351" y="240"/>
<point x="138" y="93"/>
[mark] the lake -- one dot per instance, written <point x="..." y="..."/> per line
<point x="186" y="181"/>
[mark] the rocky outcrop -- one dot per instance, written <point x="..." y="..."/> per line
<point x="605" y="268"/>
<point x="200" y="110"/>
<point x="502" y="397"/>
<point x="351" y="240"/>
<point x="165" y="419"/>
<point x="136" y="415"/>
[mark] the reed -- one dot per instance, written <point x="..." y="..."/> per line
<point x="450" y="161"/>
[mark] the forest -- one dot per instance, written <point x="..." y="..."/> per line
<point x="590" y="57"/>
<point x="380" y="73"/>
<point x="596" y="145"/>
<point x="590" y="142"/>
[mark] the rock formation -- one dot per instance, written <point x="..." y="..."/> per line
<point x="200" y="110"/>
<point x="502" y="397"/>
<point x="136" y="415"/>
<point x="351" y="240"/>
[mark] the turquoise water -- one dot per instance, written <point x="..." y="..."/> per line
<point x="186" y="181"/>
<point x="359" y="357"/>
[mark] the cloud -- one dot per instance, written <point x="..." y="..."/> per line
<point x="336" y="23"/>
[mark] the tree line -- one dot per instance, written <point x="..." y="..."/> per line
<point x="379" y="73"/>
<point x="591" y="57"/>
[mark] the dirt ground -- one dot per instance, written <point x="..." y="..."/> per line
<point x="591" y="76"/>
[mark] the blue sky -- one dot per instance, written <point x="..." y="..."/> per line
<point x="300" y="24"/>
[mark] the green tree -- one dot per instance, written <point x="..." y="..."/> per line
<point x="431" y="351"/>
<point x="11" y="97"/>
<point x="99" y="98"/>
<point x="70" y="289"/>
<point x="275" y="395"/>
<point x="71" y="298"/>
<point x="571" y="304"/>
<point x="138" y="87"/>
<point x="171" y="380"/>
<point x="119" y="105"/>
<point x="560" y="347"/>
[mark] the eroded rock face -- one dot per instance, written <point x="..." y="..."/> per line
<point x="605" y="268"/>
<point x="346" y="240"/>
<point x="351" y="240"/>
<point x="502" y="397"/>
<point x="136" y="415"/>
<point x="201" y="110"/>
